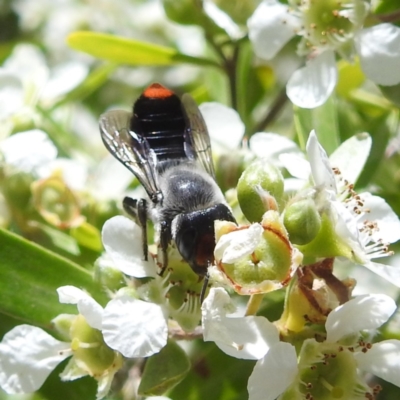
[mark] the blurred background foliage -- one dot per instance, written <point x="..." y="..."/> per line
<point x="119" y="48"/>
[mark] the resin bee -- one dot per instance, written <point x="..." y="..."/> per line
<point x="165" y="144"/>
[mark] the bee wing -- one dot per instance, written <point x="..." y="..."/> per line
<point x="130" y="149"/>
<point x="198" y="134"/>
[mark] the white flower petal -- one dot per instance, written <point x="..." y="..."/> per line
<point x="241" y="337"/>
<point x="122" y="239"/>
<point x="92" y="311"/>
<point x="110" y="179"/>
<point x="320" y="166"/>
<point x="381" y="213"/>
<point x="65" y="77"/>
<point x="293" y="185"/>
<point x="73" y="172"/>
<point x="382" y="360"/>
<point x="310" y="86"/>
<point x="271" y="27"/>
<point x="271" y="146"/>
<point x="87" y="306"/>
<point x="391" y="274"/>
<point x="70" y="294"/>
<point x="235" y="245"/>
<point x="379" y="50"/>
<point x="222" y="19"/>
<point x="11" y="94"/>
<point x="250" y="337"/>
<point x="27" y="357"/>
<point x="351" y="155"/>
<point x="273" y="374"/>
<point x="224" y="125"/>
<point x="28" y="150"/>
<point x="362" y="312"/>
<point x="133" y="327"/>
<point x="296" y="165"/>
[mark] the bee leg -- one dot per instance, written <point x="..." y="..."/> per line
<point x="165" y="238"/>
<point x="204" y="287"/>
<point x="137" y="209"/>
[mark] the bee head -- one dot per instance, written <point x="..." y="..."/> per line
<point x="194" y="235"/>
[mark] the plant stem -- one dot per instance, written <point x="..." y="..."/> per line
<point x="230" y="68"/>
<point x="254" y="304"/>
<point x="273" y="112"/>
<point x="389" y="17"/>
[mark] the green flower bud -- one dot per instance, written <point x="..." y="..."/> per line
<point x="302" y="221"/>
<point x="230" y="166"/>
<point x="107" y="275"/>
<point x="183" y="12"/>
<point x="239" y="11"/>
<point x="327" y="243"/>
<point x="260" y="189"/>
<point x="17" y="190"/>
<point x="62" y="323"/>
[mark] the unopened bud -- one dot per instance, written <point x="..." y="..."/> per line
<point x="260" y="188"/>
<point x="302" y="221"/>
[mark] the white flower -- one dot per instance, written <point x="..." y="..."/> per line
<point x="224" y="125"/>
<point x="176" y="294"/>
<point x="242" y="337"/>
<point x="226" y="131"/>
<point x="28" y="354"/>
<point x="325" y="28"/>
<point x="254" y="259"/>
<point x="280" y="371"/>
<point x="27" y="357"/>
<point x="26" y="80"/>
<point x="28" y="151"/>
<point x="134" y="327"/>
<point x="364" y="223"/>
<point x="122" y="241"/>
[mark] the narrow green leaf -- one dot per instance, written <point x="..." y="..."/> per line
<point x="129" y="51"/>
<point x="29" y="277"/>
<point x="164" y="370"/>
<point x="60" y="239"/>
<point x="303" y="124"/>
<point x="324" y="120"/>
<point x="325" y="123"/>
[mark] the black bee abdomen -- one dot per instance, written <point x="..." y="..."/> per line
<point x="158" y="116"/>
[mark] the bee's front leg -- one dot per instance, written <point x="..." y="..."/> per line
<point x="165" y="239"/>
<point x="137" y="209"/>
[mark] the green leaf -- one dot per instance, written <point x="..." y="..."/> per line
<point x="324" y="119"/>
<point x="60" y="239"/>
<point x="129" y="51"/>
<point x="351" y="77"/>
<point x="29" y="277"/>
<point x="164" y="370"/>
